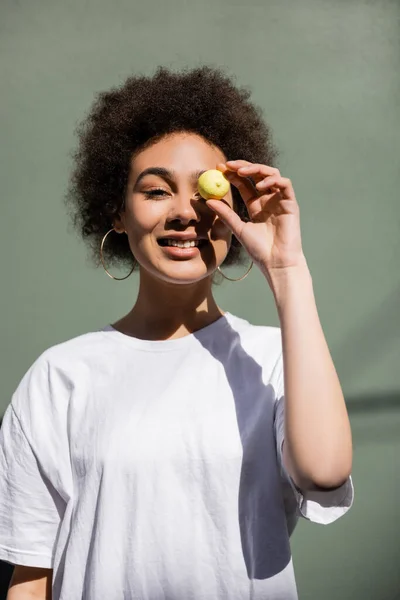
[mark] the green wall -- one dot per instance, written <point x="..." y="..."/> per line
<point x="327" y="74"/>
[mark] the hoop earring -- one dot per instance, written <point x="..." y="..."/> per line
<point x="237" y="278"/>
<point x="102" y="259"/>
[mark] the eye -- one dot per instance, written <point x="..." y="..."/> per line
<point x="155" y="193"/>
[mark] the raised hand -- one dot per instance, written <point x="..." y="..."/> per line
<point x="272" y="237"/>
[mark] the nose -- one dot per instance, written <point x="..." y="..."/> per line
<point x="185" y="209"/>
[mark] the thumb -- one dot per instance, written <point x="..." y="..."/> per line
<point x="227" y="216"/>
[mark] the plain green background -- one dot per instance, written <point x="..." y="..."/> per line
<point x="327" y="76"/>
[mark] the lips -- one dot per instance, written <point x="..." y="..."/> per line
<point x="183" y="241"/>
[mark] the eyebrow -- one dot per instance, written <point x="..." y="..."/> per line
<point x="165" y="174"/>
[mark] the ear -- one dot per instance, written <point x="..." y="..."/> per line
<point x="119" y="224"/>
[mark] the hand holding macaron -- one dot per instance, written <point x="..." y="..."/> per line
<point x="272" y="237"/>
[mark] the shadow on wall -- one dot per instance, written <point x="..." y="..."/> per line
<point x="375" y="335"/>
<point x="364" y="404"/>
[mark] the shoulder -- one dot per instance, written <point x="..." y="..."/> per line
<point x="267" y="337"/>
<point x="55" y="372"/>
<point x="263" y="343"/>
<point x="75" y="349"/>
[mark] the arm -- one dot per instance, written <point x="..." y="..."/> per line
<point x="317" y="451"/>
<point x="30" y="583"/>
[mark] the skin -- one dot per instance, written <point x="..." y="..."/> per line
<point x="30" y="583"/>
<point x="175" y="296"/>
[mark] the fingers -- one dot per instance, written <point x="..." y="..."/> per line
<point x="265" y="177"/>
<point x="283" y="184"/>
<point x="246" y="168"/>
<point x="227" y="215"/>
<point x="244" y="185"/>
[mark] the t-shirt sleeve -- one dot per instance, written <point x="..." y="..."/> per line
<point x="31" y="508"/>
<point x="322" y="507"/>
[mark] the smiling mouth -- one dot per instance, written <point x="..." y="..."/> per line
<point x="182" y="244"/>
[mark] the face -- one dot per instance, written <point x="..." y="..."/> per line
<point x="163" y="210"/>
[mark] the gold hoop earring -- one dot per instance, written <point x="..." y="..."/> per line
<point x="237" y="278"/>
<point x="102" y="258"/>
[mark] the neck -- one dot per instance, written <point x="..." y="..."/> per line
<point x="166" y="311"/>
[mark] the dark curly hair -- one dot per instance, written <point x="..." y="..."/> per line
<point x="126" y="119"/>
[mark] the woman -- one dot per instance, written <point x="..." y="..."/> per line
<point x="169" y="455"/>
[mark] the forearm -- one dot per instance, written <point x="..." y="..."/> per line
<point x="20" y="594"/>
<point x="318" y="444"/>
<point x="30" y="583"/>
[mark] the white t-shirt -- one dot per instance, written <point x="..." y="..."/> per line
<point x="152" y="470"/>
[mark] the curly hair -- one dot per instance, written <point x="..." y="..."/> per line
<point x="124" y="120"/>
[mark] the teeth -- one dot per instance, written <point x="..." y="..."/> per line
<point x="186" y="244"/>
